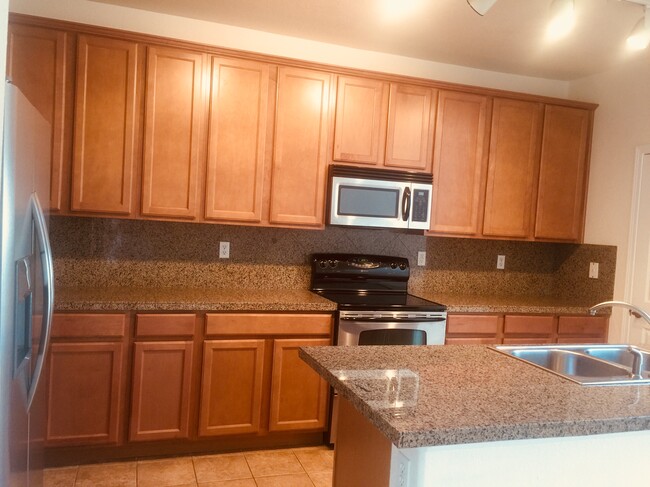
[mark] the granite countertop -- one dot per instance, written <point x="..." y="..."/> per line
<point x="187" y="299"/>
<point x="458" y="394"/>
<point x="474" y="303"/>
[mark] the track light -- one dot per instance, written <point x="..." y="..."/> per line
<point x="563" y="18"/>
<point x="481" y="6"/>
<point x="639" y="38"/>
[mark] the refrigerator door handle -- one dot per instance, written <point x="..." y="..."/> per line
<point x="48" y="291"/>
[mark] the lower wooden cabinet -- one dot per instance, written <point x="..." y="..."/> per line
<point x="254" y="382"/>
<point x="85" y="379"/>
<point x="489" y="329"/>
<point x="162" y="377"/>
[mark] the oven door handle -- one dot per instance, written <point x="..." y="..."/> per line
<point x="394" y="320"/>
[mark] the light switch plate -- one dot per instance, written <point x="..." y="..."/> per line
<point x="593" y="270"/>
<point x="501" y="261"/>
<point x="422" y="258"/>
<point x="224" y="250"/>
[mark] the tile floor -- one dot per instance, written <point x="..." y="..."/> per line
<point x="296" y="467"/>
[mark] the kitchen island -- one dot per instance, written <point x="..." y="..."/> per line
<point x="467" y="415"/>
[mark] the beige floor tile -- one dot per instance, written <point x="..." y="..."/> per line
<point x="292" y="480"/>
<point x="107" y="475"/>
<point x="322" y="479"/>
<point x="273" y="462"/>
<point x="231" y="483"/>
<point x="221" y="467"/>
<point x="315" y="460"/>
<point x="59" y="477"/>
<point x="166" y="473"/>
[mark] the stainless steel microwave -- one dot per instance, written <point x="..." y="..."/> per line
<point x="379" y="198"/>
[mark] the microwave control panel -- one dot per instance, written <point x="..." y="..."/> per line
<point x="420" y="205"/>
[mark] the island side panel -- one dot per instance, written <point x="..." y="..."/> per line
<point x="363" y="454"/>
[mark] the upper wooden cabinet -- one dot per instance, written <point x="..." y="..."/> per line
<point x="411" y="116"/>
<point x="237" y="140"/>
<point x="513" y="167"/>
<point x="298" y="173"/>
<point x="381" y="123"/>
<point x="360" y="130"/>
<point x="38" y="64"/>
<point x="563" y="173"/>
<point x="105" y="129"/>
<point x="459" y="163"/>
<point x="172" y="133"/>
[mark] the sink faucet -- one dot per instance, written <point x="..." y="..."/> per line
<point x="634" y="310"/>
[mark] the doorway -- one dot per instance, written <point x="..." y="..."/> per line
<point x="637" y="289"/>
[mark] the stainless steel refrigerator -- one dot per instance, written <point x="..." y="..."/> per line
<point x="26" y="291"/>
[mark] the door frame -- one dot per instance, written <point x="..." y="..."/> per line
<point x="641" y="152"/>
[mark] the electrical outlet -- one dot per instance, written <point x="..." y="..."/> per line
<point x="422" y="258"/>
<point x="224" y="250"/>
<point x="501" y="261"/>
<point x="593" y="270"/>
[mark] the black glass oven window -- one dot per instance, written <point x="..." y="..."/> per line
<point x="368" y="202"/>
<point x="395" y="336"/>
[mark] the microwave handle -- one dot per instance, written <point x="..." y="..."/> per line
<point x="406" y="204"/>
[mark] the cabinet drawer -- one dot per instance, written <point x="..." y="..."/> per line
<point x="88" y="326"/>
<point x="473" y="324"/>
<point x="583" y="325"/>
<point x="471" y="341"/>
<point x="164" y="325"/>
<point x="528" y="325"/>
<point x="525" y="341"/>
<point x="268" y="324"/>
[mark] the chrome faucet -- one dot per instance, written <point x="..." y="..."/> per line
<point x="634" y="310"/>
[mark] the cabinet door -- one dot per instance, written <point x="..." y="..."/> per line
<point x="409" y="141"/>
<point x="360" y="130"/>
<point x="298" y="394"/>
<point x="105" y="129"/>
<point x="513" y="166"/>
<point x="160" y="400"/>
<point x="582" y="329"/>
<point x="231" y="387"/>
<point x="37" y="64"/>
<point x="563" y="173"/>
<point x="463" y="329"/>
<point x="298" y="174"/>
<point x="237" y="140"/>
<point x="459" y="163"/>
<point x="85" y="383"/>
<point x="172" y="134"/>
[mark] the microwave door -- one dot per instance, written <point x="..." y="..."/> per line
<point x="420" y="209"/>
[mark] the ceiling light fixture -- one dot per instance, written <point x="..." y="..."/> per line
<point x="481" y="6"/>
<point x="639" y="38"/>
<point x="563" y="19"/>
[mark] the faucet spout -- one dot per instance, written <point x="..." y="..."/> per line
<point x="634" y="310"/>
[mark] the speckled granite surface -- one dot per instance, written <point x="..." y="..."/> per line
<point x="187" y="299"/>
<point x="469" y="394"/>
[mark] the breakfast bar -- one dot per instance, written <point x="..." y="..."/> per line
<point x="468" y="415"/>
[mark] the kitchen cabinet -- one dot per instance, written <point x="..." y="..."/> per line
<point x="161" y="382"/>
<point x="529" y="329"/>
<point x="39" y="64"/>
<point x="582" y="329"/>
<point x="239" y="105"/>
<point x="298" y="172"/>
<point x="253" y="381"/>
<point x="466" y="329"/>
<point x="384" y="124"/>
<point x="361" y="113"/>
<point x="562" y="189"/>
<point x="85" y="375"/>
<point x="173" y="136"/>
<point x="459" y="163"/>
<point x="513" y="166"/>
<point x="106" y="126"/>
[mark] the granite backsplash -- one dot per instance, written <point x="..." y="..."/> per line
<point x="102" y="252"/>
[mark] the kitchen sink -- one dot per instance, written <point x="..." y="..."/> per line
<point x="586" y="364"/>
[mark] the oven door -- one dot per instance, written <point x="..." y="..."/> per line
<point x="377" y="328"/>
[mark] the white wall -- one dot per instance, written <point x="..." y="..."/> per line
<point x="622" y="123"/>
<point x="94" y="13"/>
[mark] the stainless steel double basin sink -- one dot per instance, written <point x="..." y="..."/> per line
<point x="587" y="364"/>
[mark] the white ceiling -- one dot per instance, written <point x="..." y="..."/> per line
<point x="509" y="38"/>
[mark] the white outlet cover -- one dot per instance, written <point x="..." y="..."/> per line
<point x="422" y="258"/>
<point x="501" y="261"/>
<point x="224" y="250"/>
<point x="593" y="270"/>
